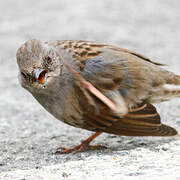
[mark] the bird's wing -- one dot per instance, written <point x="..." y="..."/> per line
<point x="87" y="49"/>
<point x="120" y="72"/>
<point x="106" y="70"/>
<point x="131" y="75"/>
<point x="141" y="121"/>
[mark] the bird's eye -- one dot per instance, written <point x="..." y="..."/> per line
<point x="24" y="75"/>
<point x="49" y="60"/>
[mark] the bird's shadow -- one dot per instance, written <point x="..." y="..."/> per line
<point x="115" y="144"/>
<point x="150" y="143"/>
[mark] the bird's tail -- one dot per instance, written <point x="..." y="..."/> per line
<point x="169" y="90"/>
<point x="171" y="78"/>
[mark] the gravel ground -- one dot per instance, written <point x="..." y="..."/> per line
<point x="29" y="136"/>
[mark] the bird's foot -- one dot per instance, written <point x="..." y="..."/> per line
<point x="80" y="148"/>
<point x="84" y="146"/>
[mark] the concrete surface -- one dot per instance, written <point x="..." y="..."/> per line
<point x="29" y="136"/>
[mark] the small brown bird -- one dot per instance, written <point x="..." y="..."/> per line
<point x="98" y="87"/>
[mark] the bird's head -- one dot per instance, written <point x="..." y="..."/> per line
<point x="38" y="62"/>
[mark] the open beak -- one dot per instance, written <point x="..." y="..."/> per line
<point x="40" y="75"/>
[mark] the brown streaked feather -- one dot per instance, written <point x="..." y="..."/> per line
<point x="162" y="130"/>
<point x="140" y="121"/>
<point x="86" y="49"/>
<point x="143" y="120"/>
<point x="124" y="70"/>
<point x="133" y="124"/>
<point x="138" y="108"/>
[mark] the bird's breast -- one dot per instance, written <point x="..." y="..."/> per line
<point x="62" y="106"/>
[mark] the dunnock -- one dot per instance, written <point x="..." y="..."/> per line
<point x="98" y="87"/>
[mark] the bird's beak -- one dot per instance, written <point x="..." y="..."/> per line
<point x="40" y="75"/>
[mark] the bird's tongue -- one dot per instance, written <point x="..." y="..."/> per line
<point x="43" y="77"/>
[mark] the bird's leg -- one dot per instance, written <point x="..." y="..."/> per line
<point x="87" y="87"/>
<point x="84" y="146"/>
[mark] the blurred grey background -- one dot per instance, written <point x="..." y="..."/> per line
<point x="29" y="136"/>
